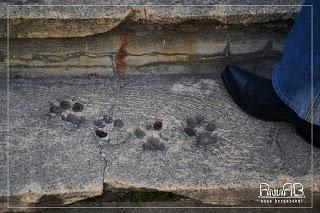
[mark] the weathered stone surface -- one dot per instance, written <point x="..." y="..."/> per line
<point x="54" y="57"/>
<point x="46" y="159"/>
<point x="278" y="43"/>
<point x="182" y="47"/>
<point x="56" y="60"/>
<point x="201" y="38"/>
<point x="248" y="44"/>
<point x="18" y="72"/>
<point x="80" y="20"/>
<point x="188" y="47"/>
<point x="245" y="151"/>
<point x="51" y="156"/>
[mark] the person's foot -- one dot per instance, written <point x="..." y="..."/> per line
<point x="255" y="95"/>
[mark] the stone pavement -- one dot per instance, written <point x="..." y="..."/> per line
<point x="175" y="133"/>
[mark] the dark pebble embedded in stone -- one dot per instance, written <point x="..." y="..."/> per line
<point x="200" y="119"/>
<point x="153" y="144"/>
<point x="157" y="125"/>
<point x="139" y="133"/>
<point x="78" y="107"/>
<point x="118" y="123"/>
<point x="211" y="126"/>
<point x="196" y="121"/>
<point x="108" y="119"/>
<point x="191" y="122"/>
<point x="190" y="131"/>
<point x="74" y="119"/>
<point x="101" y="134"/>
<point x="65" y="104"/>
<point x="99" y="123"/>
<point x="56" y="109"/>
<point x="206" y="139"/>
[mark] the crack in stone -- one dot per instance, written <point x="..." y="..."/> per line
<point x="117" y="90"/>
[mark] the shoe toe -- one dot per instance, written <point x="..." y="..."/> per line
<point x="239" y="77"/>
<point x="240" y="83"/>
<point x="250" y="91"/>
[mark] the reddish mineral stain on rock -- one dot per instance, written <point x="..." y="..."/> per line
<point x="121" y="55"/>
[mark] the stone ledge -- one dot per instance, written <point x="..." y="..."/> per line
<point x="79" y="21"/>
<point x="54" y="155"/>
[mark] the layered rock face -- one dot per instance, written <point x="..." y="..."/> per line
<point x="130" y="97"/>
<point x="135" y="49"/>
<point x="59" y="40"/>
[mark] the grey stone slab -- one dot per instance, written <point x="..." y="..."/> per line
<point x="61" y="155"/>
<point x="240" y="153"/>
<point x="80" y="20"/>
<point x="48" y="156"/>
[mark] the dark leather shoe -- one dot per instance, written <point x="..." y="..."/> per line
<point x="255" y="95"/>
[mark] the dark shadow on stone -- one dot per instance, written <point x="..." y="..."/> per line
<point x="49" y="201"/>
<point x="133" y="196"/>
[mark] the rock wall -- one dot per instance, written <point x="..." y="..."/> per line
<point x="133" y="49"/>
<point x="104" y="38"/>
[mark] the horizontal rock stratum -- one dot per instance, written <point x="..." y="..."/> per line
<point x="44" y="18"/>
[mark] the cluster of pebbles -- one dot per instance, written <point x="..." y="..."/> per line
<point x="112" y="130"/>
<point x="201" y="129"/>
<point x="68" y="111"/>
<point x="152" y="133"/>
<point x="106" y="124"/>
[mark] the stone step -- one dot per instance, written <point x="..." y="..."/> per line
<point x="72" y="41"/>
<point x="150" y="144"/>
<point x="56" y="18"/>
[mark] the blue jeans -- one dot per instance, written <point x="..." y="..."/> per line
<point x="291" y="79"/>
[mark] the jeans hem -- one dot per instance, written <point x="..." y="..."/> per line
<point x="284" y="98"/>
